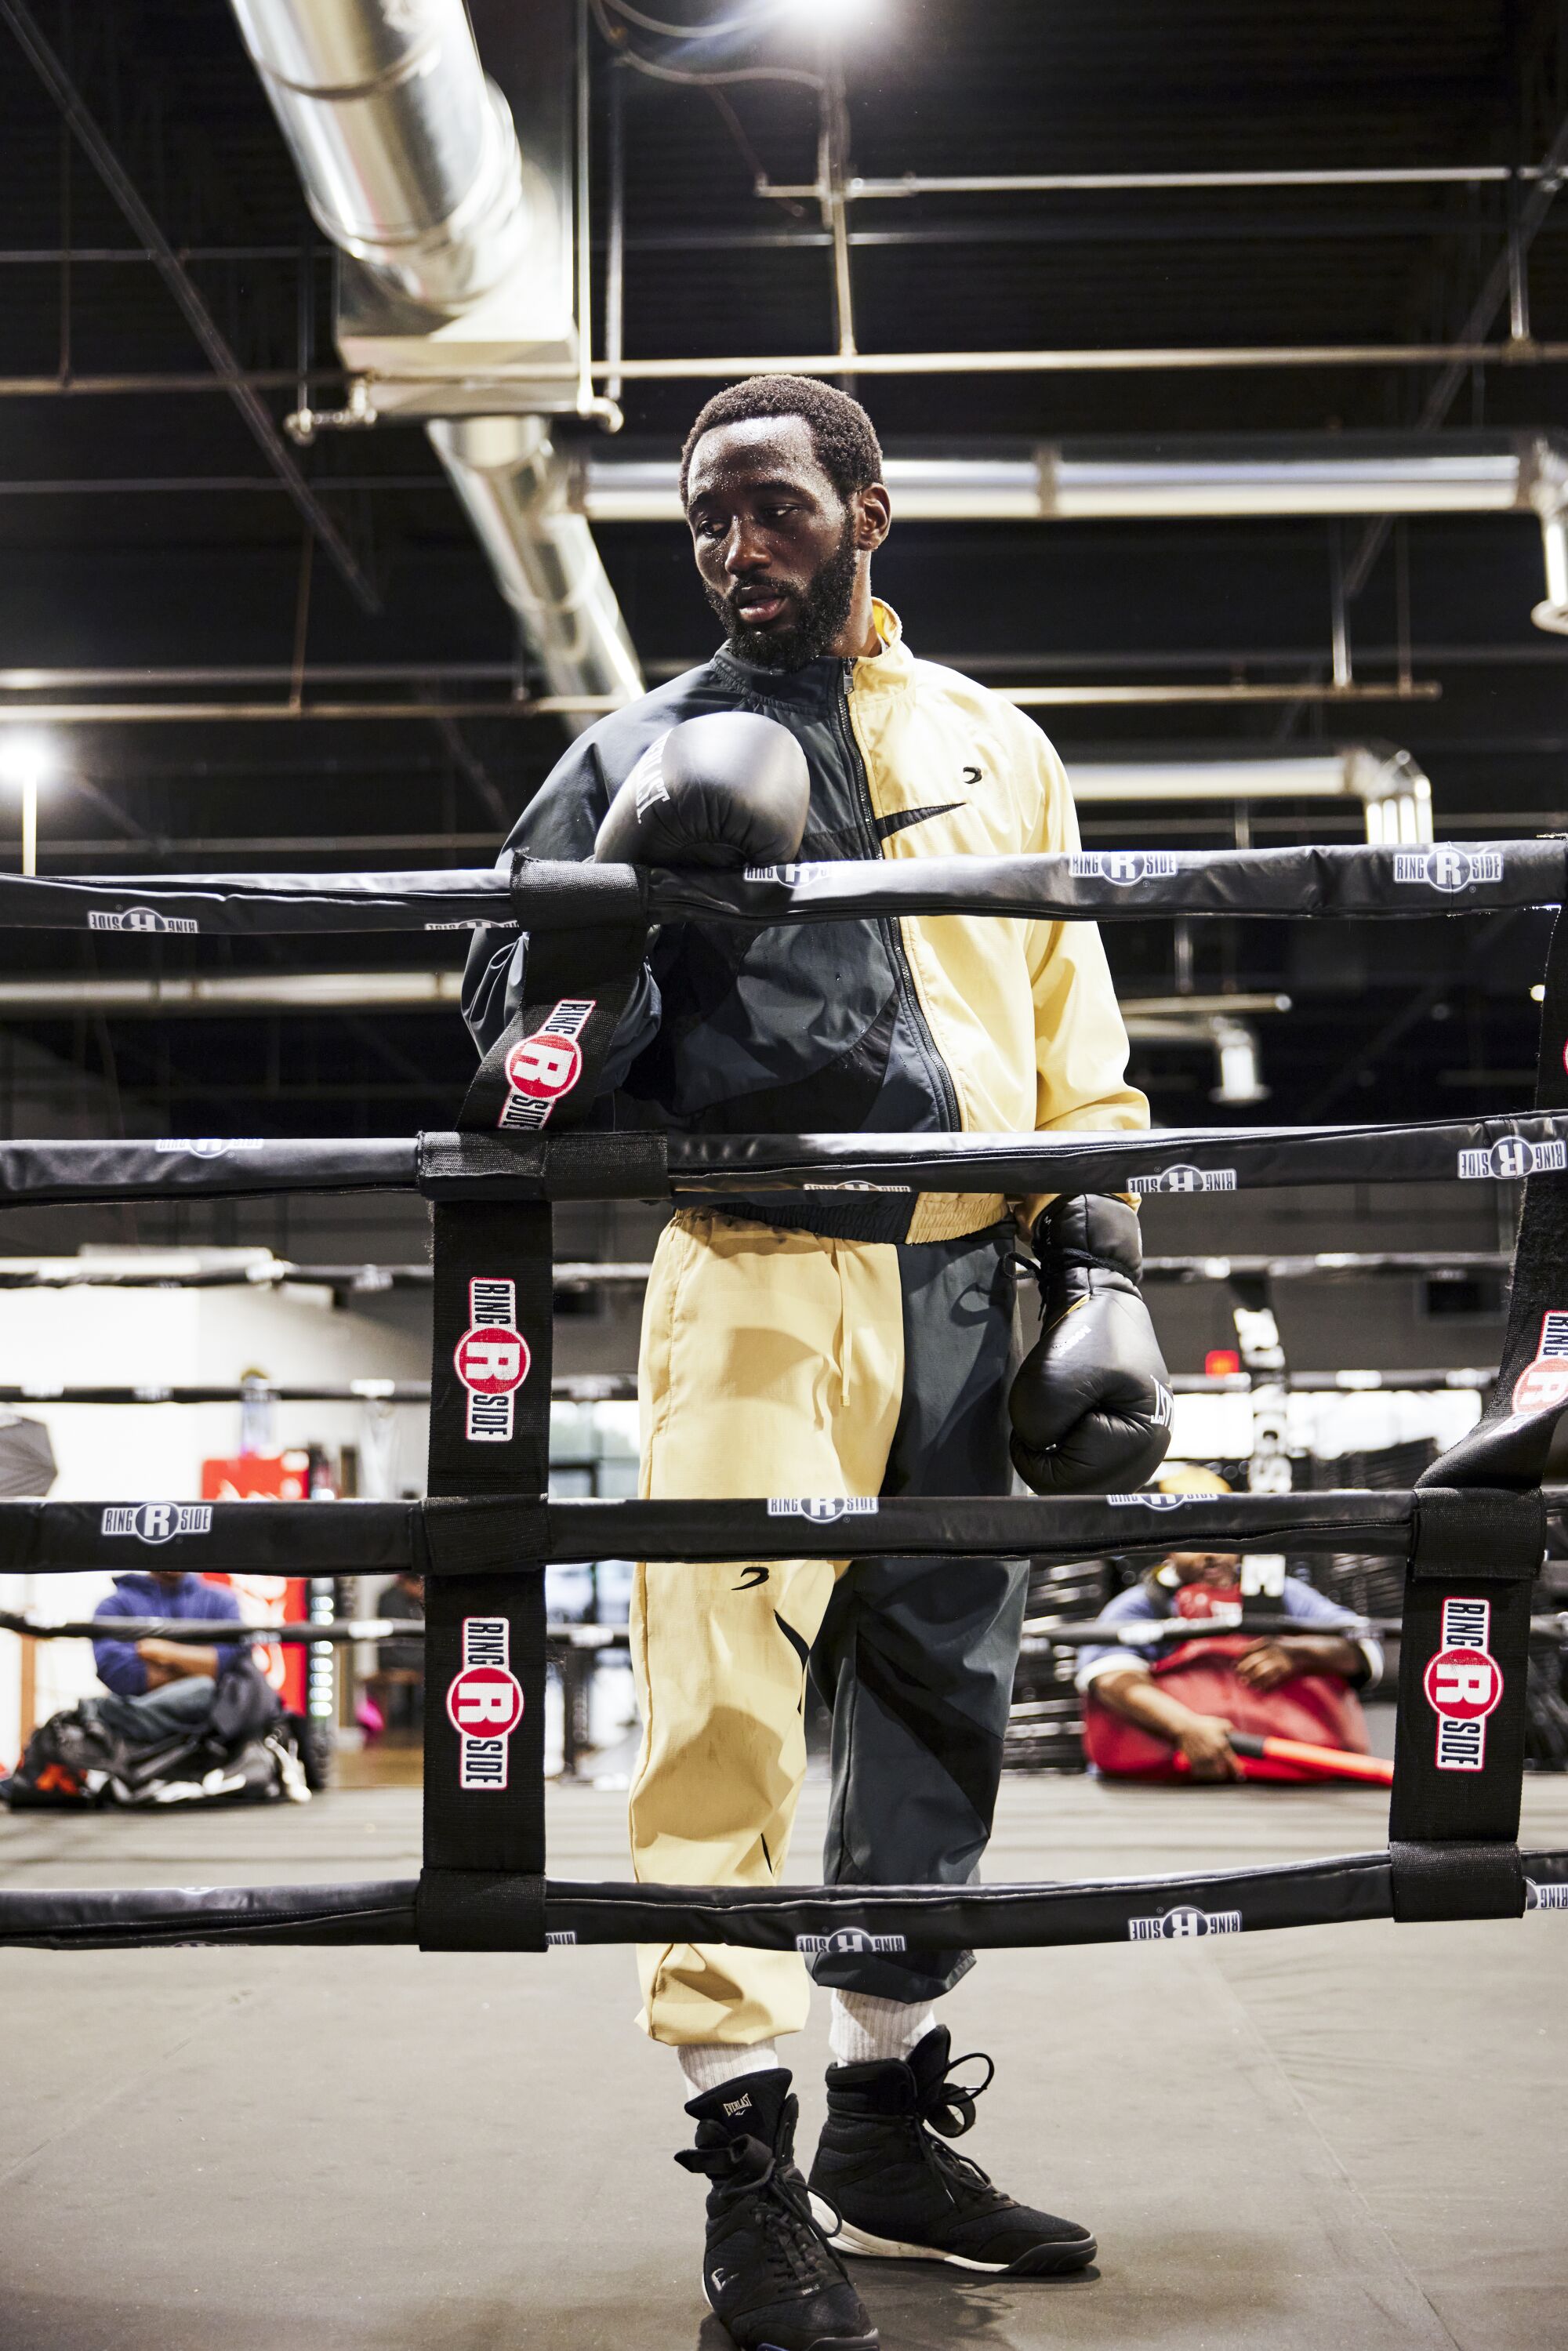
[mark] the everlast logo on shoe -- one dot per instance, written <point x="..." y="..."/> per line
<point x="733" y="2107"/>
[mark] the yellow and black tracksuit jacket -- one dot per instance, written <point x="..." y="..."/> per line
<point x="952" y="1023"/>
<point x="837" y="1346"/>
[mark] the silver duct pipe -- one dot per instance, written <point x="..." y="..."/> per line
<point x="410" y="163"/>
<point x="517" y="493"/>
<point x="406" y="151"/>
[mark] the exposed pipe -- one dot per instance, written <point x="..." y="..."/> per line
<point x="861" y="190"/>
<point x="405" y="150"/>
<point x="517" y="493"/>
<point x="410" y="163"/>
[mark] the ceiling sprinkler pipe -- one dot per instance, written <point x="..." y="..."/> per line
<point x="517" y="493"/>
<point x="407" y="152"/>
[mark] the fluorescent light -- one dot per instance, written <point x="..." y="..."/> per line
<point x="1080" y="489"/>
<point x="1210" y="779"/>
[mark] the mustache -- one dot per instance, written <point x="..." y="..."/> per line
<point x="756" y="592"/>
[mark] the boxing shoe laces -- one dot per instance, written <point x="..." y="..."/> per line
<point x="901" y="2192"/>
<point x="767" y="2270"/>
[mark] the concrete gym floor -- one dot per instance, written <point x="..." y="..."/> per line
<point x="1349" y="2136"/>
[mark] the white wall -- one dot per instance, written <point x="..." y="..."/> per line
<point x="154" y="1452"/>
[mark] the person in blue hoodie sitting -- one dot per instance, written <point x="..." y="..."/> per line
<point x="160" y="1690"/>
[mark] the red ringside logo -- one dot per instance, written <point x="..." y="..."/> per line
<point x="1463" y="1685"/>
<point x="491" y="1359"/>
<point x="1545" y="1381"/>
<point x="543" y="1068"/>
<point x="483" y="1703"/>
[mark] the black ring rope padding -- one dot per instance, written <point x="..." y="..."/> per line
<point x="490" y="1534"/>
<point x="591" y="1387"/>
<point x="570" y="1633"/>
<point x="1346" y="1888"/>
<point x="592" y="1274"/>
<point x="543" y="895"/>
<point x="633" y="1167"/>
<point x="201" y="1632"/>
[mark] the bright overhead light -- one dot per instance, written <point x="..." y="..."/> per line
<point x="28" y="759"/>
<point x="829" y="14"/>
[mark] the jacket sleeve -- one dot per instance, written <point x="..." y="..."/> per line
<point x="1079" y="1042"/>
<point x="120" y="1668"/>
<point x="562" y="821"/>
<point x="220" y="1605"/>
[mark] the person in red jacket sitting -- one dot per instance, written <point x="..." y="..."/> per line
<point x="1173" y="1715"/>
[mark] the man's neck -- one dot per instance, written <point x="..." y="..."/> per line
<point x="858" y="639"/>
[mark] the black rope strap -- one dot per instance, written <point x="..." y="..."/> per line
<point x="1100" y="885"/>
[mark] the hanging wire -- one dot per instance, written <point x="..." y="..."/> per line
<point x="708" y="31"/>
<point x="710" y="79"/>
<point x="708" y="82"/>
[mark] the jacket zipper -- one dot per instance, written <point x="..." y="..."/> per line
<point x="904" y="978"/>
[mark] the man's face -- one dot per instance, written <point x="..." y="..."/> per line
<point x="1217" y="1569"/>
<point x="774" y="541"/>
<point x="169" y="1579"/>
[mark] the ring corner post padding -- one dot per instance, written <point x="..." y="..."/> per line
<point x="481" y="1887"/>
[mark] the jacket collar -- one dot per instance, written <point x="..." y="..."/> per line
<point x="812" y="690"/>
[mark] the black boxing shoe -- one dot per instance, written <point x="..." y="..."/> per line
<point x="767" y="2270"/>
<point x="903" y="2194"/>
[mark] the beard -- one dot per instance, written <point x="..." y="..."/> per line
<point x="824" y="610"/>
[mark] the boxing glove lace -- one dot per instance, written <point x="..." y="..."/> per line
<point x="1090" y="1407"/>
<point x="728" y="789"/>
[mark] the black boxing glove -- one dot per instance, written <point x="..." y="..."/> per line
<point x="729" y="790"/>
<point x="1090" y="1407"/>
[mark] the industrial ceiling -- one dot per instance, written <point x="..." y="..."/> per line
<point x="1287" y="239"/>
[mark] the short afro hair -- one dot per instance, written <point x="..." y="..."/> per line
<point x="845" y="436"/>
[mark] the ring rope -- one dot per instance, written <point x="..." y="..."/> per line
<point x="581" y="1166"/>
<point x="542" y="894"/>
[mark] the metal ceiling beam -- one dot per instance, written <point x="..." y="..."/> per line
<point x="588" y="706"/>
<point x="227" y="371"/>
<point x="1134" y="359"/>
<point x="1507" y="271"/>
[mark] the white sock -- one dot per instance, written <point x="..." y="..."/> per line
<point x="867" y="2031"/>
<point x="707" y="2064"/>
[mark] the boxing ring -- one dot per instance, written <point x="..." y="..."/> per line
<point x="1471" y="1530"/>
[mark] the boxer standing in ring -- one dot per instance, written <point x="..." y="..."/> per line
<point x="842" y="1345"/>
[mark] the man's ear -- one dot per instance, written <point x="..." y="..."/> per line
<point x="874" y="518"/>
